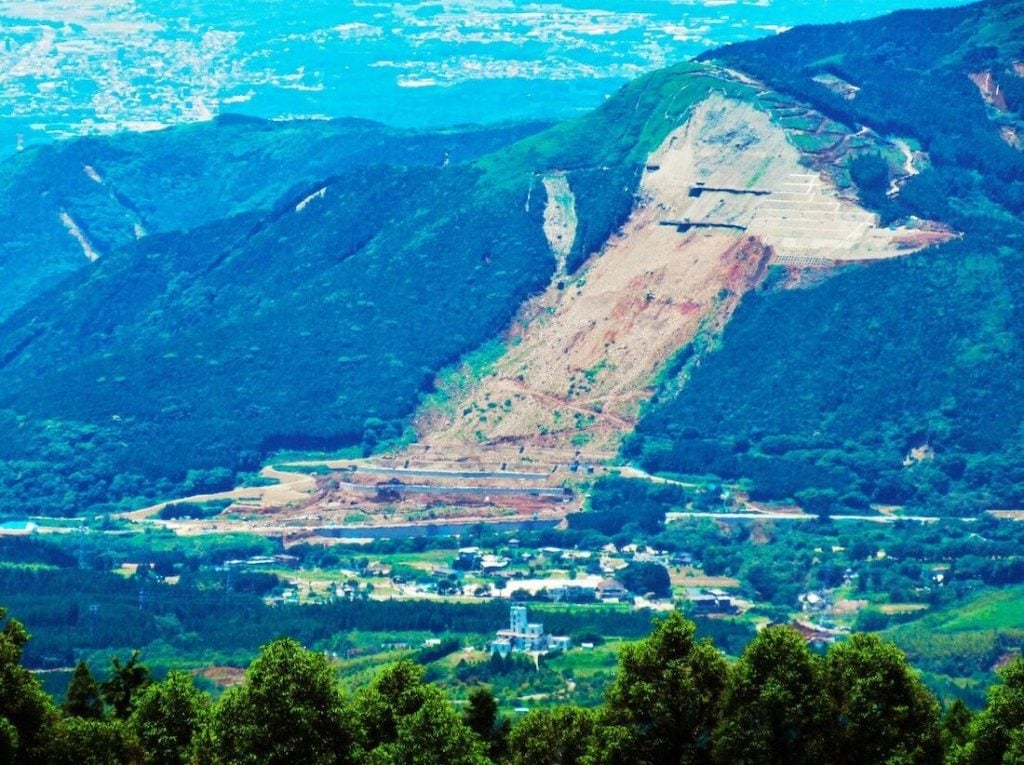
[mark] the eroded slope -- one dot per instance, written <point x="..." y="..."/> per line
<point x="723" y="198"/>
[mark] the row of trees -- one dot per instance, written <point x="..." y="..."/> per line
<point x="674" y="700"/>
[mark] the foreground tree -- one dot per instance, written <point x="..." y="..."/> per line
<point x="124" y="682"/>
<point x="82" y="698"/>
<point x="290" y="710"/>
<point x="997" y="732"/>
<point x="884" y="712"/>
<point x="560" y="736"/>
<point x="431" y="735"/>
<point x="481" y="716"/>
<point x="661" y="708"/>
<point x="774" y="709"/>
<point x="27" y="715"/>
<point x="168" y="717"/>
<point x="398" y="691"/>
<point x="84" y="741"/>
<point x="407" y="722"/>
<point x="956" y="727"/>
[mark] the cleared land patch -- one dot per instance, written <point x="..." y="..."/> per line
<point x="559" y="217"/>
<point x="721" y="199"/>
<point x="725" y="196"/>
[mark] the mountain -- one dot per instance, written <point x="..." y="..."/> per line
<point x="319" y="308"/>
<point x="78" y="201"/>
<point x="316" y="324"/>
<point x="898" y="384"/>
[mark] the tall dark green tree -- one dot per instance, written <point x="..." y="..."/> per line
<point x="884" y="712"/>
<point x="662" y="706"/>
<point x="774" y="709"/>
<point x="85" y="741"/>
<point x="167" y="717"/>
<point x="956" y="727"/>
<point x="433" y="734"/>
<point x="27" y="715"/>
<point x="125" y="680"/>
<point x="289" y="710"/>
<point x="560" y="736"/>
<point x="997" y="732"/>
<point x="642" y="578"/>
<point x="82" y="698"/>
<point x="481" y="715"/>
<point x="398" y="691"/>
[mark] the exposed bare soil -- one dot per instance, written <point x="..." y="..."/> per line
<point x="726" y="196"/>
<point x="723" y="197"/>
<point x="990" y="90"/>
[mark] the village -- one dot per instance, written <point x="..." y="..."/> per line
<point x="634" y="577"/>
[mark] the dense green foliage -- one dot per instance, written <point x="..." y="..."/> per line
<point x="888" y="713"/>
<point x="663" y="705"/>
<point x="621" y="505"/>
<point x="82" y="698"/>
<point x="996" y="735"/>
<point x="674" y="699"/>
<point x="289" y="710"/>
<point x="178" y="179"/>
<point x="167" y="716"/>
<point x="238" y="366"/>
<point x="643" y="578"/>
<point x="829" y="388"/>
<point x="27" y="716"/>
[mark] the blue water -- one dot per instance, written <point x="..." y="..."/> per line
<point x="96" y="66"/>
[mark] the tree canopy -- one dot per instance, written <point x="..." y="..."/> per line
<point x="675" y="699"/>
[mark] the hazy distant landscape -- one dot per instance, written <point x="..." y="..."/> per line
<point x="69" y="67"/>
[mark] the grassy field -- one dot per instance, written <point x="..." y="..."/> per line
<point x="994" y="610"/>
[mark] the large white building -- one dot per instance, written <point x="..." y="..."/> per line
<point x="524" y="636"/>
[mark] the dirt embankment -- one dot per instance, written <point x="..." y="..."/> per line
<point x="290" y="489"/>
<point x="989" y="88"/>
<point x="722" y="198"/>
<point x="726" y="196"/>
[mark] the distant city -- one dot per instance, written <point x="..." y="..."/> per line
<point x="70" y="67"/>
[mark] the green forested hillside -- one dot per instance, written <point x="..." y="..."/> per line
<point x="182" y="358"/>
<point x="117" y="188"/>
<point x="828" y="389"/>
<point x="303" y="328"/>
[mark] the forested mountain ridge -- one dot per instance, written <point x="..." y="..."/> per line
<point x="317" y="324"/>
<point x="834" y="390"/>
<point x="184" y="358"/>
<point x="81" y="200"/>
